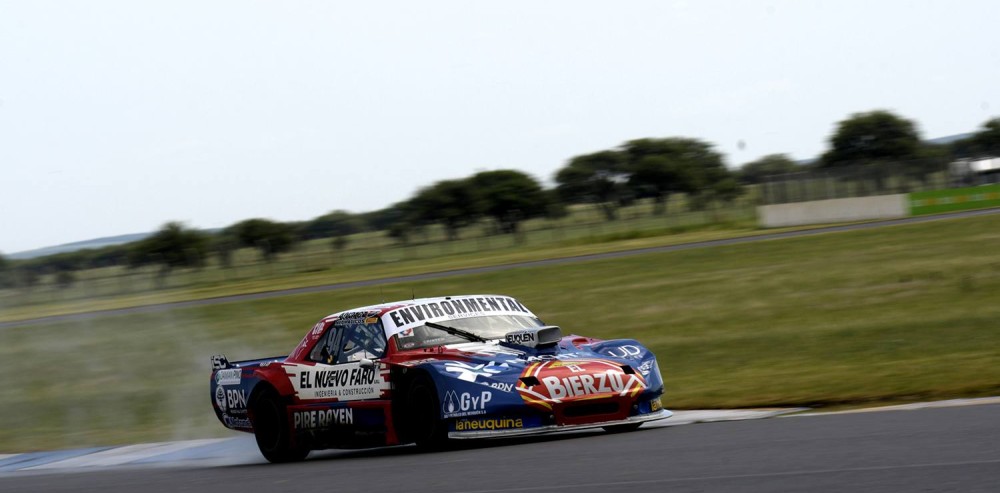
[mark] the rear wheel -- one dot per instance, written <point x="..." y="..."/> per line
<point x="622" y="428"/>
<point x="423" y="408"/>
<point x="270" y="428"/>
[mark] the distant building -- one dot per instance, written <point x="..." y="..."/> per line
<point x="975" y="171"/>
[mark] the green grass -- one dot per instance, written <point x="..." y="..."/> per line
<point x="105" y="290"/>
<point x="315" y="262"/>
<point x="884" y="315"/>
<point x="955" y="199"/>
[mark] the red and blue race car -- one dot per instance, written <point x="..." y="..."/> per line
<point x="427" y="370"/>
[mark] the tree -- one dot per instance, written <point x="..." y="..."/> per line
<point x="597" y="178"/>
<point x="726" y="189"/>
<point x="661" y="167"/>
<point x="224" y="246"/>
<point x="556" y="208"/>
<point x="509" y="197"/>
<point x="988" y="138"/>
<point x="6" y="279"/>
<point x="770" y="165"/>
<point x="65" y="279"/>
<point x="399" y="220"/>
<point x="453" y="203"/>
<point x="107" y="256"/>
<point x="336" y="223"/>
<point x="172" y="246"/>
<point x="26" y="276"/>
<point x="986" y="142"/>
<point x="269" y="237"/>
<point x="339" y="243"/>
<point x="876" y="137"/>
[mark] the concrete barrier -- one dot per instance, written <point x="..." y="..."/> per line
<point x="834" y="211"/>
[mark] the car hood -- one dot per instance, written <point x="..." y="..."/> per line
<point x="563" y="373"/>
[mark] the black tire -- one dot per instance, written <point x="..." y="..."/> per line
<point x="622" y="428"/>
<point x="423" y="409"/>
<point x="270" y="428"/>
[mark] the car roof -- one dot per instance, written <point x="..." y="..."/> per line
<point x="398" y="316"/>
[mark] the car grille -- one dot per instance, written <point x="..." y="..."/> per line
<point x="590" y="409"/>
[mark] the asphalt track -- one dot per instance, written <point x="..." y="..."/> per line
<point x="931" y="449"/>
<point x="494" y="268"/>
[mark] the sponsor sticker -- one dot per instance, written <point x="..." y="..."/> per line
<point x="220" y="398"/>
<point x="348" y="382"/>
<point x="465" y="404"/>
<point x="236" y="400"/>
<point x="523" y="338"/>
<point x="237" y="422"/>
<point x="318" y="328"/>
<point x="627" y="351"/>
<point x="357" y="317"/>
<point x="576" y="380"/>
<point x="450" y="309"/>
<point x="488" y="424"/>
<point x="322" y="418"/>
<point x="228" y="377"/>
<point x="502" y="387"/>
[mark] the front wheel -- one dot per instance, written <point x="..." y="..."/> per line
<point x="424" y="411"/>
<point x="270" y="428"/>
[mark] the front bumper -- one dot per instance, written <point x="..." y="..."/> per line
<point x="642" y="418"/>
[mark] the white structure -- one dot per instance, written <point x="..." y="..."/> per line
<point x="976" y="171"/>
<point x="834" y="211"/>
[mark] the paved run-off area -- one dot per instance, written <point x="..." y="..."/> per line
<point x="241" y="449"/>
<point x="949" y="446"/>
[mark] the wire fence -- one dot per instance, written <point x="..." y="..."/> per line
<point x="854" y="181"/>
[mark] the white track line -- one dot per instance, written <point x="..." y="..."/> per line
<point x="909" y="407"/>
<point x="714" y="415"/>
<point x="124" y="455"/>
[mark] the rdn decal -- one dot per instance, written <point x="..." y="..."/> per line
<point x="560" y="381"/>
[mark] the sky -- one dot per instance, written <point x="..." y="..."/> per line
<point x="116" y="117"/>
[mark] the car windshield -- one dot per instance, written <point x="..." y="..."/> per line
<point x="489" y="327"/>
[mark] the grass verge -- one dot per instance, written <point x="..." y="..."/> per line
<point x="890" y="314"/>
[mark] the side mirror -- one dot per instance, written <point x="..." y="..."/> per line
<point x="366" y="363"/>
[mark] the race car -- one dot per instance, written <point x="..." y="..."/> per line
<point x="429" y="370"/>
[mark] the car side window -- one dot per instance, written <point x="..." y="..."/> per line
<point x="324" y="350"/>
<point x="360" y="341"/>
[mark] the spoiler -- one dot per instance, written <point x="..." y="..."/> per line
<point x="220" y="362"/>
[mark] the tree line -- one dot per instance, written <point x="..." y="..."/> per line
<point x="879" y="140"/>
<point x="650" y="168"/>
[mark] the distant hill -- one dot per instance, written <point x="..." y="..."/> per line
<point x="949" y="139"/>
<point x="79" y="245"/>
